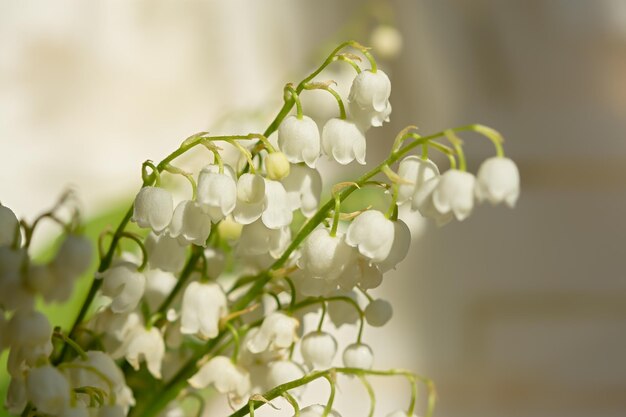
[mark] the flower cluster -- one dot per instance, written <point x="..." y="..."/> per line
<point x="217" y="293"/>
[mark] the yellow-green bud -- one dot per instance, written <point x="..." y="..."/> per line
<point x="277" y="166"/>
<point x="229" y="229"/>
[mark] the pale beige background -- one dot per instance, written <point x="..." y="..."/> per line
<point x="512" y="313"/>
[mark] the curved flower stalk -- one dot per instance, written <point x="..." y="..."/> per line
<point x="218" y="291"/>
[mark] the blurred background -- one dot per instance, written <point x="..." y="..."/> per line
<point x="513" y="313"/>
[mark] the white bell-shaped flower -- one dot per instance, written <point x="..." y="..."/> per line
<point x="343" y="141"/>
<point x="299" y="140"/>
<point x="423" y="201"/>
<point x="257" y="239"/>
<point x="324" y="256"/>
<point x="358" y="355"/>
<point x="282" y="371"/>
<point x="277" y="212"/>
<point x="165" y="253"/>
<point x="373" y="234"/>
<point x="190" y="224"/>
<point x="317" y="410"/>
<point x="125" y="285"/>
<point x="16" y="398"/>
<point x="146" y="343"/>
<point x="378" y="312"/>
<point x="318" y="349"/>
<point x="304" y="188"/>
<point x="368" y="100"/>
<point x="227" y="377"/>
<point x="48" y="389"/>
<point x="153" y="208"/>
<point x="498" y="181"/>
<point x="416" y="171"/>
<point x="217" y="192"/>
<point x="311" y="286"/>
<point x="204" y="304"/>
<point x="400" y="247"/>
<point x="14" y="291"/>
<point x="277" y="166"/>
<point x="251" y="200"/>
<point x="277" y="331"/>
<point x="159" y="285"/>
<point x="99" y="370"/>
<point x="455" y="194"/>
<point x="9" y="225"/>
<point x="30" y="329"/>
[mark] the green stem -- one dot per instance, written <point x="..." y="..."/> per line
<point x="331" y="397"/>
<point x="296" y="98"/>
<point x="372" y="395"/>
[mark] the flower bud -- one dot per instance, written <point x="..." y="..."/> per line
<point x="221" y="372"/>
<point x="318" y="349"/>
<point x="373" y="234"/>
<point x="358" y="355"/>
<point x="217" y="193"/>
<point x="8" y="227"/>
<point x="343" y="141"/>
<point x="48" y="389"/>
<point x="153" y="208"/>
<point x="276" y="166"/>
<point x="190" y="225"/>
<point x="229" y="229"/>
<point x="498" y="181"/>
<point x="203" y="306"/>
<point x="378" y="312"/>
<point x="299" y="139"/>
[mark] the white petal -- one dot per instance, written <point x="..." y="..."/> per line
<point x="277" y="213"/>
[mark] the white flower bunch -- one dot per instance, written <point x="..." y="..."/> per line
<point x="216" y="293"/>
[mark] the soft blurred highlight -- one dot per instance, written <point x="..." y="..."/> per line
<point x="513" y="313"/>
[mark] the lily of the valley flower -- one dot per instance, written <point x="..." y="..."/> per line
<point x="203" y="306"/>
<point x="190" y="225"/>
<point x="400" y="247"/>
<point x="318" y="349"/>
<point x="416" y="171"/>
<point x="498" y="181"/>
<point x="14" y="292"/>
<point x="324" y="256"/>
<point x="299" y="140"/>
<point x="373" y="234"/>
<point x="358" y="355"/>
<point x="29" y="334"/>
<point x="227" y="377"/>
<point x="159" y="285"/>
<point x="257" y="239"/>
<point x="147" y="344"/>
<point x="277" y="166"/>
<point x="277" y="212"/>
<point x="369" y="98"/>
<point x="343" y="141"/>
<point x="48" y="389"/>
<point x="217" y="193"/>
<point x="251" y="200"/>
<point x="304" y="187"/>
<point x="124" y="285"/>
<point x="423" y="201"/>
<point x="362" y="272"/>
<point x="277" y="331"/>
<point x="153" y="208"/>
<point x="455" y="194"/>
<point x="283" y="371"/>
<point x="165" y="253"/>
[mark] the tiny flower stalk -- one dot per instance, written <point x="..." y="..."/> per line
<point x="326" y="86"/>
<point x="291" y="92"/>
<point x="370" y="393"/>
